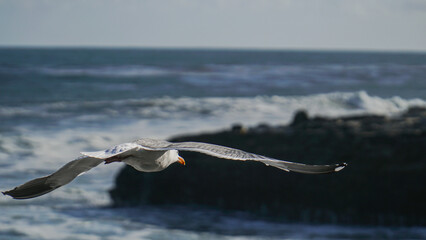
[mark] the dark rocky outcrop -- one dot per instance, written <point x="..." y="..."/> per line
<point x="384" y="183"/>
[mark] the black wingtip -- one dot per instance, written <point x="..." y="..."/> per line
<point x="9" y="193"/>
<point x="31" y="189"/>
<point x="340" y="166"/>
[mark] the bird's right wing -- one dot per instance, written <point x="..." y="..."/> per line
<point x="64" y="175"/>
<point x="237" y="154"/>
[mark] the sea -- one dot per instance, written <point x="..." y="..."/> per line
<point x="58" y="102"/>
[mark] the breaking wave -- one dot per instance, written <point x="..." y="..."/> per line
<point x="33" y="152"/>
<point x="261" y="108"/>
<point x="45" y="124"/>
<point x="87" y="126"/>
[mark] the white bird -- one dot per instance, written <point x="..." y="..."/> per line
<point x="149" y="155"/>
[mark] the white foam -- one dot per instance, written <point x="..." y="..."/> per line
<point x="127" y="71"/>
<point x="371" y="104"/>
<point x="265" y="107"/>
<point x="163" y="117"/>
<point x="34" y="152"/>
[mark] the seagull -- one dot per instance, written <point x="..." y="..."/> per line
<point x="150" y="155"/>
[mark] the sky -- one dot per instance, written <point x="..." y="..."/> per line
<point x="383" y="25"/>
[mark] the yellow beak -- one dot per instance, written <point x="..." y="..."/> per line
<point x="181" y="161"/>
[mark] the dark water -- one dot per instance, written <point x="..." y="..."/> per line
<point x="49" y="75"/>
<point x="93" y="81"/>
<point x="55" y="103"/>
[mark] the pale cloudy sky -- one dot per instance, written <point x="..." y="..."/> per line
<point x="278" y="24"/>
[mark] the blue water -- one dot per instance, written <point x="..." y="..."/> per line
<point x="55" y="103"/>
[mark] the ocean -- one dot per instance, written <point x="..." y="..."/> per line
<point x="55" y="103"/>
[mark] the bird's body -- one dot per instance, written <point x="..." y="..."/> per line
<point x="150" y="155"/>
<point x="151" y="161"/>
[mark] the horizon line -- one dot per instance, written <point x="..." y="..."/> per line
<point x="212" y="48"/>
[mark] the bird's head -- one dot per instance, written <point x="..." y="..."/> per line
<point x="181" y="160"/>
<point x="174" y="156"/>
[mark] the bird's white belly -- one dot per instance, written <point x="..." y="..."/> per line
<point x="146" y="161"/>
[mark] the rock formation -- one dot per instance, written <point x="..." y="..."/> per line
<point x="384" y="183"/>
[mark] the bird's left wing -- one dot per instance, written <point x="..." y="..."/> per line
<point x="69" y="171"/>
<point x="64" y="175"/>
<point x="122" y="150"/>
<point x="236" y="154"/>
